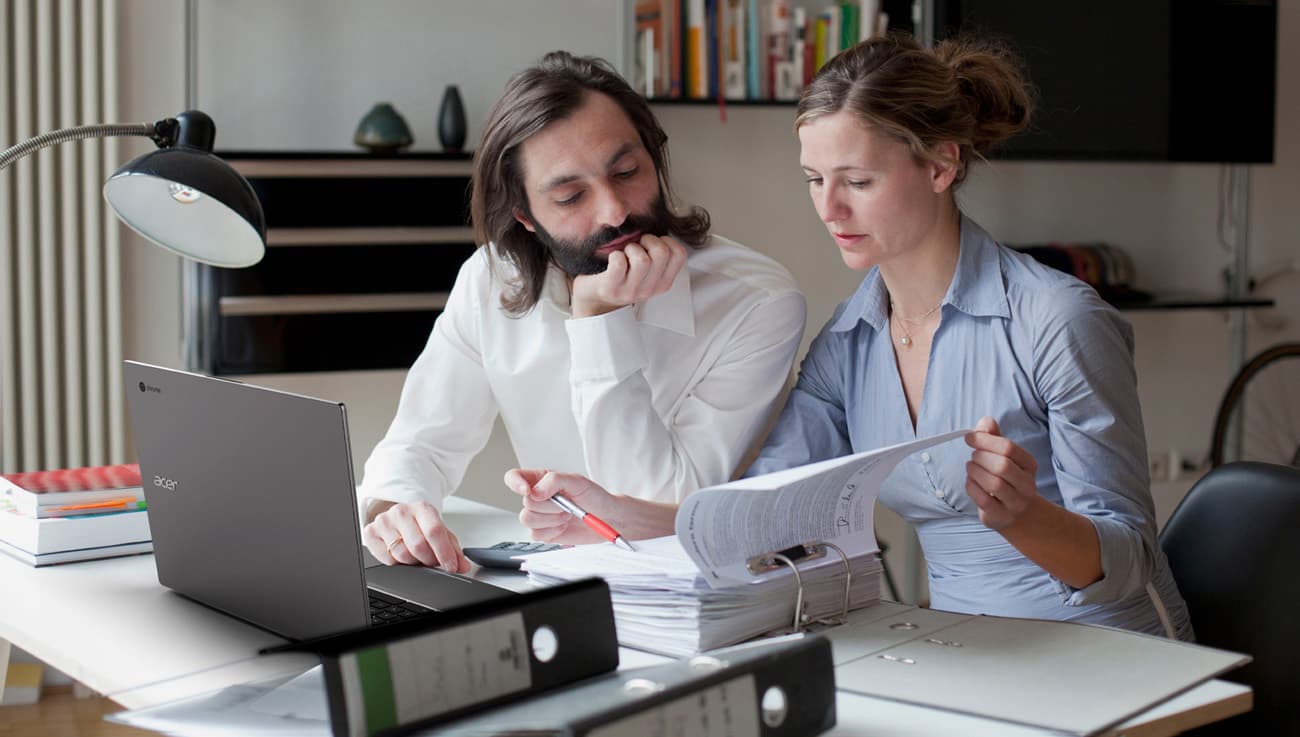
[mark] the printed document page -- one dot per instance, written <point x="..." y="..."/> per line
<point x="829" y="501"/>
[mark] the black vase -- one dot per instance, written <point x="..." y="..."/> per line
<point x="451" y="121"/>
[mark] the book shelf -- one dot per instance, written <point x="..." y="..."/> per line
<point x="752" y="52"/>
<point x="362" y="252"/>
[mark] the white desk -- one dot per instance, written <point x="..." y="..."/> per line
<point x="111" y="626"/>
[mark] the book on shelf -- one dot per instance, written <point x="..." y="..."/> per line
<point x="647" y="75"/>
<point x="696" y="50"/>
<point x="72" y="490"/>
<point x="58" y="539"/>
<point x="750" y="557"/>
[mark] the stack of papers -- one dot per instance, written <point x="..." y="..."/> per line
<point x="717" y="582"/>
<point x="663" y="604"/>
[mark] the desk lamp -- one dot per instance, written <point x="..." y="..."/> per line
<point x="181" y="196"/>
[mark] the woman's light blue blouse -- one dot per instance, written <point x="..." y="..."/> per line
<point x="1043" y="355"/>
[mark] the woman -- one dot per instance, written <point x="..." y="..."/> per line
<point x="1048" y="513"/>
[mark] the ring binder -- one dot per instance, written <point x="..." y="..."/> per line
<point x="381" y="680"/>
<point x="772" y="688"/>
<point x="792" y="557"/>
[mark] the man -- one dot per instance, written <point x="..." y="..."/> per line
<point x="615" y="337"/>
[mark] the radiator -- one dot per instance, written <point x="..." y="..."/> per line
<point x="61" y="397"/>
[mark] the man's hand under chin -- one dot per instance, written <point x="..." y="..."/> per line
<point x="636" y="273"/>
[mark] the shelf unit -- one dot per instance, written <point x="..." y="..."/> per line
<point x="362" y="251"/>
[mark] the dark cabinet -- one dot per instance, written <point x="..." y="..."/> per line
<point x="361" y="253"/>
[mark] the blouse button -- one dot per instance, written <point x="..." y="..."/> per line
<point x="938" y="492"/>
<point x="925" y="457"/>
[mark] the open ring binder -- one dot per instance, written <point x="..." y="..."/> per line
<point x="792" y="557"/>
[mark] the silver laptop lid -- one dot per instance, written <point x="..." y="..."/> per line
<point x="251" y="499"/>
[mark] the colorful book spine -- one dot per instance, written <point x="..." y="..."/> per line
<point x="734" y="57"/>
<point x="88" y="478"/>
<point x="648" y="50"/>
<point x="697" y="52"/>
<point x="674" y="43"/>
<point x="821" y="30"/>
<point x="713" y="45"/>
<point x="849" y="28"/>
<point x="753" y="55"/>
<point x="778" y="46"/>
<point x="798" y="50"/>
<point x="868" y="18"/>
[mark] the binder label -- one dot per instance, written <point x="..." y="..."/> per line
<point x="436" y="673"/>
<point x="729" y="709"/>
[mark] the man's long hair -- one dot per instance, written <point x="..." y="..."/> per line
<point x="533" y="99"/>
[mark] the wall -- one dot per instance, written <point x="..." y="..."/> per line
<point x="298" y="75"/>
<point x="268" y="67"/>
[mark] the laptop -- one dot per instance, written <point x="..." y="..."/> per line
<point x="253" y="509"/>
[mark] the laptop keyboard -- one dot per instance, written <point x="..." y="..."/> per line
<point x="385" y="609"/>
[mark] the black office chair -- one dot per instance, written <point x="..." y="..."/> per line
<point x="1234" y="547"/>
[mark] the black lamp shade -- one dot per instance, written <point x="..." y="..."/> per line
<point x="191" y="203"/>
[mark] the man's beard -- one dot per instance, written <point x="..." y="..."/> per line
<point x="577" y="258"/>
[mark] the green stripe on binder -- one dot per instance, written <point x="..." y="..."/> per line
<point x="376" y="689"/>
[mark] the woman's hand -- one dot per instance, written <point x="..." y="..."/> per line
<point x="1000" y="477"/>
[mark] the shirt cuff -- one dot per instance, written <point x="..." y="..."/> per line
<point x="396" y="495"/>
<point x="605" y="347"/>
<point x="1117" y="567"/>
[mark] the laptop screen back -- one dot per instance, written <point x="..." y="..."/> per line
<point x="250" y="499"/>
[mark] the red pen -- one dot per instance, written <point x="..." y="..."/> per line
<point x="595" y="523"/>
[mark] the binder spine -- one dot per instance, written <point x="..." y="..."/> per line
<point x="789" y="692"/>
<point x="390" y="679"/>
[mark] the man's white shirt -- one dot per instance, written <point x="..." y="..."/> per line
<point x="653" y="400"/>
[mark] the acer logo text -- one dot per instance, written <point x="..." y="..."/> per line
<point x="168" y="484"/>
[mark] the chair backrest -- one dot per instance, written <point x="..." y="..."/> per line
<point x="1234" y="547"/>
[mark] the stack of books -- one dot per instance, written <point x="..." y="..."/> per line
<point x="73" y="514"/>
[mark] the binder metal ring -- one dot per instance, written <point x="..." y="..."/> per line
<point x="798" y="599"/>
<point x="792" y="557"/>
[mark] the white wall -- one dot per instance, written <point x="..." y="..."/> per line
<point x="266" y="67"/>
<point x="299" y="75"/>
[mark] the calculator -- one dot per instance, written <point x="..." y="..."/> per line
<point x="502" y="555"/>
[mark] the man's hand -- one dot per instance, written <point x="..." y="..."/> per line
<point x="547" y="521"/>
<point x="414" y="534"/>
<point x="636" y="273"/>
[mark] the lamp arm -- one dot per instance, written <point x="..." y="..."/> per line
<point x="162" y="133"/>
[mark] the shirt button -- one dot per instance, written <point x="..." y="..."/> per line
<point x="925" y="457"/>
<point x="938" y="493"/>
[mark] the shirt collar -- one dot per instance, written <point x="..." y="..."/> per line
<point x="673" y="310"/>
<point x="977" y="286"/>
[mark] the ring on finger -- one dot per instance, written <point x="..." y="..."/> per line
<point x="396" y="541"/>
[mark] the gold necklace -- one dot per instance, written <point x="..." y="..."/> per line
<point x="906" y="341"/>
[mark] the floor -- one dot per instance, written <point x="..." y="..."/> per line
<point x="60" y="714"/>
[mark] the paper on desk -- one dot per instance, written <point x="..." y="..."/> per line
<point x="663" y="604"/>
<point x="829" y="501"/>
<point x="301" y="697"/>
<point x="231" y="711"/>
